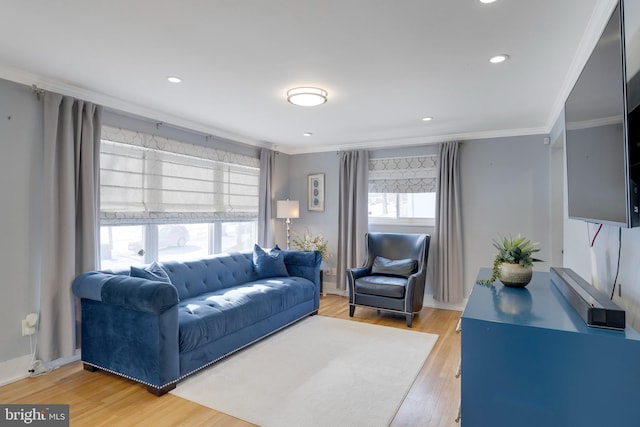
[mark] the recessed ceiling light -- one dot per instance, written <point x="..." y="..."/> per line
<point x="499" y="58"/>
<point x="427" y="119"/>
<point x="174" y="79"/>
<point x="307" y="96"/>
<point x="487" y="1"/>
<point x="307" y="134"/>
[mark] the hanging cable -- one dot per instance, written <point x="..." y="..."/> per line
<point x="593" y="241"/>
<point x="615" y="281"/>
<point x="36" y="367"/>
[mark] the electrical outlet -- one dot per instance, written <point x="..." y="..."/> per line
<point x="26" y="330"/>
<point x="29" y="324"/>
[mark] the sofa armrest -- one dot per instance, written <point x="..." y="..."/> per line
<point x="304" y="264"/>
<point x="130" y="327"/>
<point x="133" y="293"/>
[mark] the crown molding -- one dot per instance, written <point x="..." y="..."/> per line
<point x="121" y="106"/>
<point x="421" y="140"/>
<point x="128" y="108"/>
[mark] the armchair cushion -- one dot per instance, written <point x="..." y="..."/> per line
<point x="397" y="267"/>
<point x="385" y="286"/>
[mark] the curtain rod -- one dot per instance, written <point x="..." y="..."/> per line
<point x="207" y="136"/>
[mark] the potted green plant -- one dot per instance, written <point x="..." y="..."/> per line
<point x="513" y="262"/>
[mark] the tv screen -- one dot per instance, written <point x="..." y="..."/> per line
<point x="600" y="162"/>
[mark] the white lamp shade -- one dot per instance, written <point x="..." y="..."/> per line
<point x="288" y="209"/>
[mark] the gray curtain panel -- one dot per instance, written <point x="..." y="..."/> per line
<point x="448" y="283"/>
<point x="352" y="211"/>
<point x="70" y="216"/>
<point x="267" y="165"/>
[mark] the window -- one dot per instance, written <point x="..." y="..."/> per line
<point x="162" y="199"/>
<point x="402" y="190"/>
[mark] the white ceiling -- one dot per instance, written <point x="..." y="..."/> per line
<point x="385" y="63"/>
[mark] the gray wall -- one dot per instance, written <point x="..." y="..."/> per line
<point x="505" y="190"/>
<point x="21" y="151"/>
<point x="326" y="222"/>
<point x="598" y="266"/>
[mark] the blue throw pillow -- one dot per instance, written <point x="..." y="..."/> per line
<point x="269" y="264"/>
<point x="152" y="272"/>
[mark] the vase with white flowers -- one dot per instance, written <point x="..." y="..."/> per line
<point x="312" y="242"/>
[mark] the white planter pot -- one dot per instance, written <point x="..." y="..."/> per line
<point x="514" y="275"/>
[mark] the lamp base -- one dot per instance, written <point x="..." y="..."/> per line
<point x="288" y="222"/>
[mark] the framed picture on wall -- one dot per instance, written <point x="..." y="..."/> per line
<point x="315" y="188"/>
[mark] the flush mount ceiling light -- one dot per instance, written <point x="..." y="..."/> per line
<point x="499" y="58"/>
<point x="307" y="96"/>
<point x="307" y="134"/>
<point x="487" y="1"/>
<point x="427" y="119"/>
<point x="174" y="79"/>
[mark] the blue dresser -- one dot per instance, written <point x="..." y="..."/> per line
<point x="528" y="359"/>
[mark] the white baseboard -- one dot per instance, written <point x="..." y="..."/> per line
<point x="14" y="369"/>
<point x="430" y="302"/>
<point x="330" y="287"/>
<point x="18" y="369"/>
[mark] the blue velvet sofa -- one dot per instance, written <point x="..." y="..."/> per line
<point x="159" y="330"/>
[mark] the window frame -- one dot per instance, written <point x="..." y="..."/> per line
<point x="150" y="222"/>
<point x="403" y="174"/>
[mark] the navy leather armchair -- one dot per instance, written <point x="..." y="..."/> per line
<point x="393" y="275"/>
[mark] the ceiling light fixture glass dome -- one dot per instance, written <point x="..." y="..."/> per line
<point x="307" y="96"/>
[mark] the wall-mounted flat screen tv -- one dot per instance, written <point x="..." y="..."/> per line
<point x="601" y="115"/>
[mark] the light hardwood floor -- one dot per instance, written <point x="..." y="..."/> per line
<point x="102" y="399"/>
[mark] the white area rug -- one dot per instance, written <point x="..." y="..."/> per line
<point x="320" y="371"/>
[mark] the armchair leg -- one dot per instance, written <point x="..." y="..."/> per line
<point x="352" y="309"/>
<point x="409" y="319"/>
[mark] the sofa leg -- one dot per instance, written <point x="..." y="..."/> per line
<point x="160" y="391"/>
<point x="409" y="319"/>
<point x="352" y="309"/>
<point x="89" y="368"/>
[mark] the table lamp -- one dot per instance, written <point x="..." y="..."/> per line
<point x="287" y="209"/>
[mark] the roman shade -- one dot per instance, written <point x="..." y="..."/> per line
<point x="146" y="178"/>
<point x="415" y="174"/>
